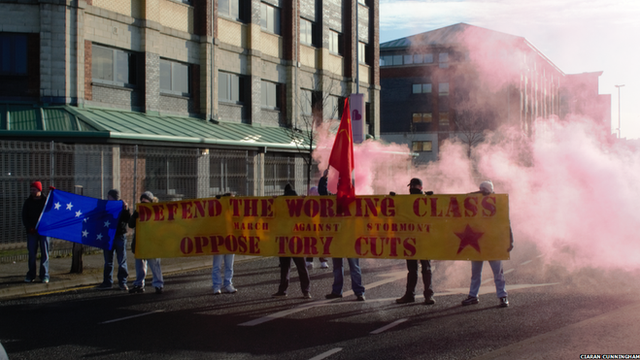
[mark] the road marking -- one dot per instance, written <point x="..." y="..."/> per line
<point x="387" y="327"/>
<point x="391" y="277"/>
<point x="326" y="354"/>
<point x="526" y="262"/>
<point x="130" y="317"/>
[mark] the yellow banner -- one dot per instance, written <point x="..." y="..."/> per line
<point x="438" y="227"/>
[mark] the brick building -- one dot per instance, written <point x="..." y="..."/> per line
<point x="459" y="80"/>
<point x="222" y="80"/>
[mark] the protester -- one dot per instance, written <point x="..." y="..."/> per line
<point x="338" y="263"/>
<point x="218" y="286"/>
<point x="486" y="188"/>
<point x="285" y="265"/>
<point x="415" y="187"/>
<point x="119" y="247"/>
<point x="141" y="264"/>
<point x="31" y="211"/>
<point x="313" y="191"/>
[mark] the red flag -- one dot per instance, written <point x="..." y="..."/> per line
<point x="342" y="160"/>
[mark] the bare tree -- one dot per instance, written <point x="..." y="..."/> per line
<point x="315" y="107"/>
<point x="471" y="125"/>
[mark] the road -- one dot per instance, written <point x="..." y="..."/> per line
<point x="187" y="321"/>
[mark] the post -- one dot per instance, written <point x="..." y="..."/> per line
<point x="619" y="86"/>
<point x="76" y="252"/>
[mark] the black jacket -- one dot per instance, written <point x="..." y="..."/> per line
<point x="31" y="211"/>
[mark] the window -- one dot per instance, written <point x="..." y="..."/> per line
<point x="444" y="120"/>
<point x="229" y="8"/>
<point x="418" y="58"/>
<point x="230" y="88"/>
<point x="306" y="102"/>
<point x="422" y="117"/>
<point x="362" y="51"/>
<point x="421" y="88"/>
<point x="308" y="33"/>
<point x="428" y="58"/>
<point x="270" y="18"/>
<point x="443" y="59"/>
<point x="113" y="66"/>
<point x="334" y="42"/>
<point x="421" y="146"/>
<point x="174" y="77"/>
<point x="397" y="59"/>
<point x="443" y="89"/>
<point x="270" y="97"/>
<point x="408" y="59"/>
<point x="13" y="54"/>
<point x="332" y="109"/>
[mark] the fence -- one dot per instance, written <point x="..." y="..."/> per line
<point x="170" y="173"/>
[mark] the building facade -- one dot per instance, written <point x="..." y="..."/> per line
<point x="215" y="92"/>
<point x="461" y="80"/>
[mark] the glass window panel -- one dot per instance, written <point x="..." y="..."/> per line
<point x="426" y="146"/>
<point x="444" y="119"/>
<point x="165" y="75"/>
<point x="416" y="146"/>
<point x="417" y="117"/>
<point x="427" y="117"/>
<point x="20" y="52"/>
<point x="234" y="10"/>
<point x="102" y="63"/>
<point x="416" y="88"/>
<point x="443" y="57"/>
<point x="223" y="86"/>
<point x="223" y="7"/>
<point x="397" y="59"/>
<point x="418" y="58"/>
<point x="428" y="58"/>
<point x="122" y="67"/>
<point x="180" y="78"/>
<point x="276" y="20"/>
<point x="443" y="88"/>
<point x="408" y="59"/>
<point x="234" y="88"/>
<point x="426" y="88"/>
<point x="263" y="15"/>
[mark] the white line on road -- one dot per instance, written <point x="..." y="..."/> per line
<point x="387" y="327"/>
<point x="391" y="277"/>
<point x="130" y="317"/>
<point x="326" y="354"/>
<point x="526" y="262"/>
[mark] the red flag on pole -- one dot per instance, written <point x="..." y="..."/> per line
<point x="342" y="160"/>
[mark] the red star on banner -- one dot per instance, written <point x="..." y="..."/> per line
<point x="469" y="238"/>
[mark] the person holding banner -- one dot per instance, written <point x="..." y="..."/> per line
<point x="218" y="286"/>
<point x="141" y="264"/>
<point x="31" y="211"/>
<point x="285" y="265"/>
<point x="338" y="263"/>
<point x="415" y="188"/>
<point x="119" y="247"/>
<point x="486" y="188"/>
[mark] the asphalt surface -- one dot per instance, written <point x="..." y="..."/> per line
<point x="616" y="332"/>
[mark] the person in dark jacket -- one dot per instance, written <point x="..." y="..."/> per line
<point x="415" y="187"/>
<point x="119" y="247"/>
<point x="31" y="211"/>
<point x="338" y="263"/>
<point x="285" y="265"/>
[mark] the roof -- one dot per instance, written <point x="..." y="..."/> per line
<point x="115" y="126"/>
<point x="446" y="36"/>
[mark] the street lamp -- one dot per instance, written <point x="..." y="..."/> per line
<point x="619" y="86"/>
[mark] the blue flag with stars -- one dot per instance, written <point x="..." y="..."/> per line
<point x="80" y="219"/>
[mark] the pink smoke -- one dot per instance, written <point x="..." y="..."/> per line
<point x="571" y="193"/>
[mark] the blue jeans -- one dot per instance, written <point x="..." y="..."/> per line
<point x="228" y="270"/>
<point x="119" y="247"/>
<point x="33" y="241"/>
<point x="338" y="276"/>
<point x="141" y="272"/>
<point x="498" y="277"/>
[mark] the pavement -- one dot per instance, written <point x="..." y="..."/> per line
<point x="613" y="333"/>
<point x="12" y="274"/>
